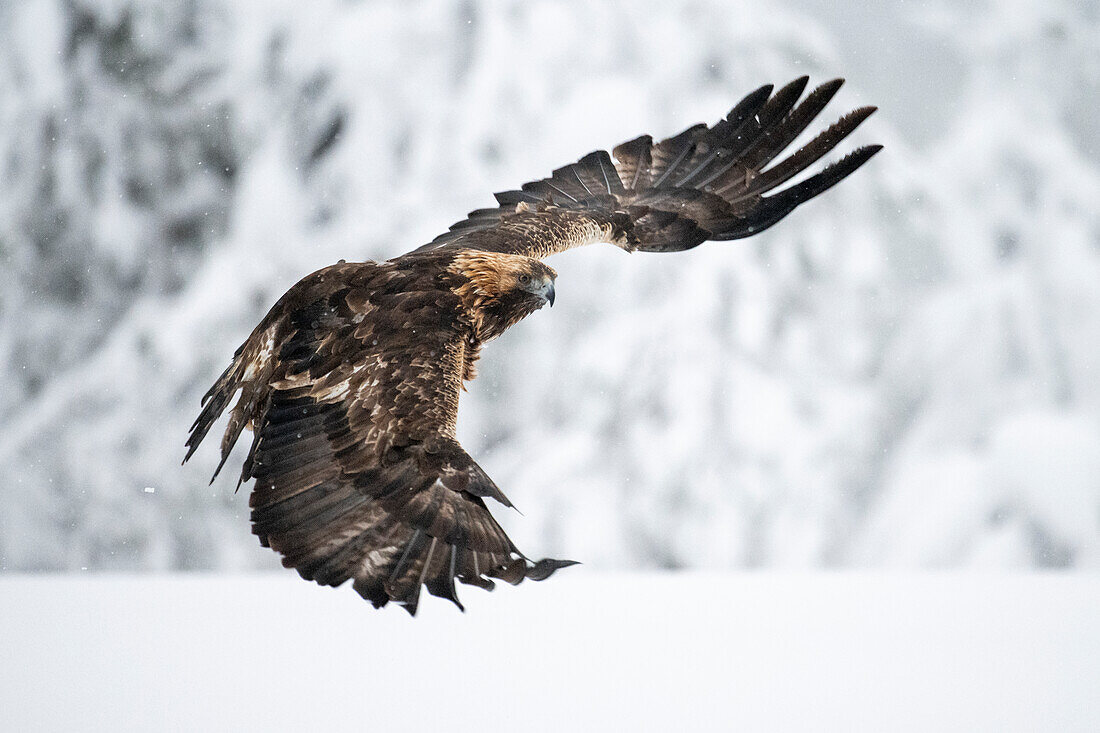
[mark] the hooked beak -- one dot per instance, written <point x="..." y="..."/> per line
<point x="548" y="293"/>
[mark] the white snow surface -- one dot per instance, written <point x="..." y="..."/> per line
<point x="584" y="651"/>
<point x="905" y="373"/>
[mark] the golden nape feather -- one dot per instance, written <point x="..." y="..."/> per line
<point x="351" y="382"/>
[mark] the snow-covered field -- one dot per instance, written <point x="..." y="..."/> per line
<point x="584" y="651"/>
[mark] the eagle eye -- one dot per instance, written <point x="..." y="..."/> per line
<point x="525" y="278"/>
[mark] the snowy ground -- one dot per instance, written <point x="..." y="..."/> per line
<point x="585" y="651"/>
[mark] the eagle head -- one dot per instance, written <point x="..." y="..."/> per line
<point x="533" y="281"/>
<point x="500" y="289"/>
<point x="493" y="278"/>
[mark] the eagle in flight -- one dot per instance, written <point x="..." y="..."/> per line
<point x="350" y="383"/>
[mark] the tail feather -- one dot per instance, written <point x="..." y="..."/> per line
<point x="426" y="560"/>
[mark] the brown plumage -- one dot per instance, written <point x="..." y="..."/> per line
<point x="351" y="382"/>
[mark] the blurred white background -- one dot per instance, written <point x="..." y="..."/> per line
<point x="905" y="373"/>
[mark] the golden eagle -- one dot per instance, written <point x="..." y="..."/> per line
<point x="351" y="382"/>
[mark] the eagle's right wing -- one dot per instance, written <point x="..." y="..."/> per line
<point x="706" y="183"/>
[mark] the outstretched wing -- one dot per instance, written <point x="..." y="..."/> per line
<point x="706" y="183"/>
<point x="351" y="386"/>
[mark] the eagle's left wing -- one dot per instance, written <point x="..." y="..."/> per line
<point x="706" y="183"/>
<point x="351" y="387"/>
